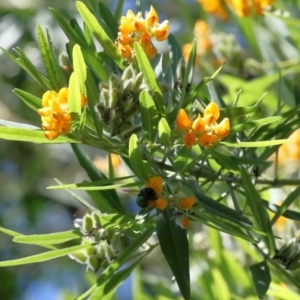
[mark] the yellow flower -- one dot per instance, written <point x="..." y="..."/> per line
<point x="55" y="115"/>
<point x="133" y="28"/>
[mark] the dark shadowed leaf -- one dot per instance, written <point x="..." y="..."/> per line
<point x="261" y="278"/>
<point x="175" y="247"/>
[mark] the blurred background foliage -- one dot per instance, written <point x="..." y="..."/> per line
<point x="261" y="54"/>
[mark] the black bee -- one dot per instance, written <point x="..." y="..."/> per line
<point x="145" y="195"/>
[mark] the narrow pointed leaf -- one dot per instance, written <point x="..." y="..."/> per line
<point x="255" y="144"/>
<point x="293" y="196"/>
<point x="30" y="100"/>
<point x="27" y="65"/>
<point x="109" y="196"/>
<point x="49" y="60"/>
<point x="18" y="125"/>
<point x="149" y="115"/>
<point x="34" y="136"/>
<point x="52" y="238"/>
<point x="254" y="123"/>
<point x="258" y="210"/>
<point x="79" y="67"/>
<point x="175" y="247"/>
<point x="164" y="132"/>
<point x="43" y="256"/>
<point x="139" y="167"/>
<point x="107" y="44"/>
<point x="149" y="77"/>
<point x="74" y="97"/>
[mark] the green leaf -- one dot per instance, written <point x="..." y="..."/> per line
<point x="164" y="132"/>
<point x="10" y="232"/>
<point x="139" y="167"/>
<point x="107" y="44"/>
<point x="292" y="197"/>
<point x="68" y="30"/>
<point x="118" y="10"/>
<point x="258" y="210"/>
<point x="221" y="210"/>
<point x="17" y="125"/>
<point x="290" y="214"/>
<point x="149" y="77"/>
<point x="175" y="53"/>
<point x="237" y="112"/>
<point x="86" y="186"/>
<point x="110" y="197"/>
<point x="255" y="144"/>
<point x="30" y="100"/>
<point x="95" y="64"/>
<point x="193" y="94"/>
<point x="27" y="65"/>
<point x="74" y="97"/>
<point x="50" y="61"/>
<point x="254" y="123"/>
<point x="79" y="67"/>
<point x="34" y="136"/>
<point x="175" y="247"/>
<point x="52" y="238"/>
<point x="149" y="115"/>
<point x="80" y="200"/>
<point x="188" y="73"/>
<point x="109" y="19"/>
<point x="43" y="256"/>
<point x="92" y="95"/>
<point x="261" y="278"/>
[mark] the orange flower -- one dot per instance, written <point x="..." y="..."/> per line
<point x="199" y="124"/>
<point x="183" y="221"/>
<point x="205" y="130"/>
<point x="189" y="139"/>
<point x="215" y="7"/>
<point x="186" y="203"/>
<point x="55" y="115"/>
<point x="183" y="122"/>
<point x="134" y="28"/>
<point x="156" y="184"/>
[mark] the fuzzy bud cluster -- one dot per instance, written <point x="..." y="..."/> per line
<point x="103" y="249"/>
<point x="289" y="254"/>
<point x="119" y="102"/>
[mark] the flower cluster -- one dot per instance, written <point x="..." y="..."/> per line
<point x="103" y="242"/>
<point x="204" y="131"/>
<point x="134" y="28"/>
<point x="55" y="115"/>
<point x="243" y="8"/>
<point x="151" y="196"/>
